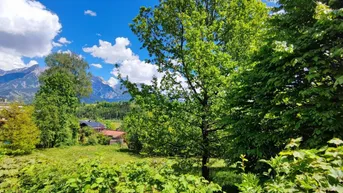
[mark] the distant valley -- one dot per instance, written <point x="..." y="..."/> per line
<point x="22" y="84"/>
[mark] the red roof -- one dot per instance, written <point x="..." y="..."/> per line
<point x="112" y="133"/>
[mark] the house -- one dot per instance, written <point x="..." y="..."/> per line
<point x="116" y="136"/>
<point x="95" y="125"/>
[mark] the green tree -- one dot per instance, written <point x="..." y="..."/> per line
<point x="75" y="67"/>
<point x="197" y="45"/>
<point x="294" y="90"/>
<point x="18" y="132"/>
<point x="58" y="98"/>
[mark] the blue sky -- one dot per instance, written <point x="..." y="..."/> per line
<point x="96" y="30"/>
<point x="111" y="21"/>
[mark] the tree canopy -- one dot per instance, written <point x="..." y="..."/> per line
<point x="18" y="132"/>
<point x="197" y="46"/>
<point x="62" y="86"/>
<point x="294" y="90"/>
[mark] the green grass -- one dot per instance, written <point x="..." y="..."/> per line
<point x="109" y="154"/>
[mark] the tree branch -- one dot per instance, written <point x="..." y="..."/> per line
<point x="187" y="75"/>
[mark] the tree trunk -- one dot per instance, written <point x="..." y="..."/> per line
<point x="205" y="170"/>
<point x="206" y="152"/>
<point x="205" y="141"/>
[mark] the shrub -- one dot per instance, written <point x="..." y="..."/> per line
<point x="18" y="132"/>
<point x="301" y="170"/>
<point x="9" y="172"/>
<point x="93" y="139"/>
<point x="227" y="180"/>
<point x="87" y="136"/>
<point x="103" y="139"/>
<point x="93" y="176"/>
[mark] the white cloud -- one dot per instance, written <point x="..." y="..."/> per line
<point x="112" y="54"/>
<point x="70" y="53"/>
<point x="27" y="28"/>
<point x="64" y="40"/>
<point x="129" y="64"/>
<point x="280" y="12"/>
<point x="137" y="71"/>
<point x="90" y="12"/>
<point x="96" y="65"/>
<point x="55" y="44"/>
<point x="65" y="52"/>
<point x="112" y="82"/>
<point x="10" y="61"/>
<point x="32" y="62"/>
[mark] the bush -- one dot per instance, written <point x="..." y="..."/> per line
<point x="301" y="170"/>
<point x="18" y="132"/>
<point x="93" y="176"/>
<point x="93" y="139"/>
<point x="87" y="136"/>
<point x="103" y="139"/>
<point x="9" y="172"/>
<point x="228" y="180"/>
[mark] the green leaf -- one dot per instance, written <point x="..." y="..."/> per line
<point x="336" y="141"/>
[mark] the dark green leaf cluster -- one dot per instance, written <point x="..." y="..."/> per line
<point x="294" y="87"/>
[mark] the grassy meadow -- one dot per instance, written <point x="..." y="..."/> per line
<point x="109" y="154"/>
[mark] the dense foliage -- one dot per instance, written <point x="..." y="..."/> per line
<point x="93" y="176"/>
<point x="104" y="110"/>
<point x="18" y="132"/>
<point x="294" y="90"/>
<point x="62" y="86"/>
<point x="301" y="170"/>
<point x="196" y="45"/>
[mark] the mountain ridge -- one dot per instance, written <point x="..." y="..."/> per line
<point x="22" y="84"/>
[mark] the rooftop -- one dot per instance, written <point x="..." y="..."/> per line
<point x="112" y="133"/>
<point x="92" y="124"/>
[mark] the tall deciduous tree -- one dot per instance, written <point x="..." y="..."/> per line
<point x="18" y="132"/>
<point x="197" y="45"/>
<point x="75" y="67"/>
<point x="62" y="86"/>
<point x="295" y="88"/>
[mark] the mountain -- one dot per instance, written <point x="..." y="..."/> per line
<point x="22" y="84"/>
<point x="104" y="92"/>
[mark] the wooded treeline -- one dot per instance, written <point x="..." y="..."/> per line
<point x="104" y="110"/>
